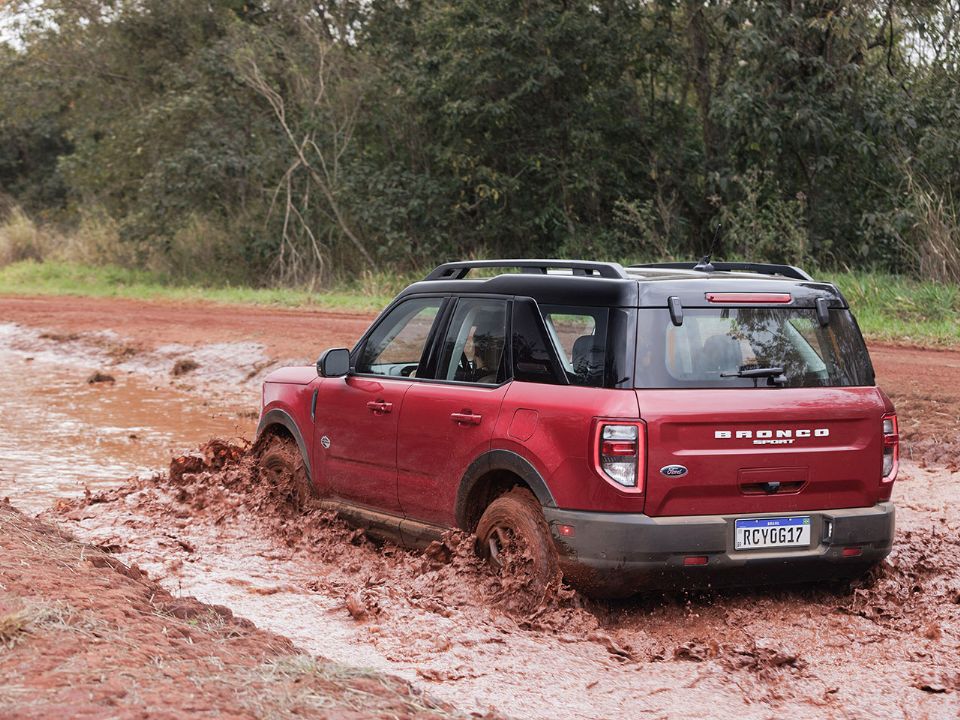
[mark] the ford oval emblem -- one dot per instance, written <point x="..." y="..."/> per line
<point x="673" y="470"/>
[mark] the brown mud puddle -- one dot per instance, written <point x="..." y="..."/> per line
<point x="887" y="647"/>
<point x="60" y="433"/>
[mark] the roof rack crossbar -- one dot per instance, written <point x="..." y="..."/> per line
<point x="763" y="268"/>
<point x="458" y="270"/>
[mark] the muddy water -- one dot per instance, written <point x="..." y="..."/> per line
<point x="889" y="646"/>
<point x="59" y="433"/>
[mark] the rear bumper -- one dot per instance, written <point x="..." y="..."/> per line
<point x="620" y="554"/>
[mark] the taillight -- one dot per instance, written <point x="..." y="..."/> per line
<point x="619" y="453"/>
<point x="891" y="448"/>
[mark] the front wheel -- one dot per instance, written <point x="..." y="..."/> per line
<point x="513" y="537"/>
<point x="282" y="471"/>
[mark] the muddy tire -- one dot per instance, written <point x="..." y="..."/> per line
<point x="513" y="537"/>
<point x="281" y="468"/>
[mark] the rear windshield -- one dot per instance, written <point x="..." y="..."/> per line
<point x="743" y="347"/>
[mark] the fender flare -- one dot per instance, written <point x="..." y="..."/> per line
<point x="500" y="460"/>
<point x="285" y="420"/>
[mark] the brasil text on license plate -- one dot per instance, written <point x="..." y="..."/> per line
<point x="772" y="532"/>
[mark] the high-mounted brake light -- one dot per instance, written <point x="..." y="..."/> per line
<point x="618" y="453"/>
<point x="891" y="448"/>
<point x="780" y="298"/>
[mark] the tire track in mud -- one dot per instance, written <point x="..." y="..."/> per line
<point x="210" y="528"/>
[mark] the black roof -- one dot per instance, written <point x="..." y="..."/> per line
<point x="579" y="282"/>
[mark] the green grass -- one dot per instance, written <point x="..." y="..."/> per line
<point x="888" y="308"/>
<point x="59" y="278"/>
<point x="899" y="309"/>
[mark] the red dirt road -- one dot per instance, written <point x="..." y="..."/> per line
<point x="149" y="324"/>
<point x="83" y="636"/>
<point x="889" y="647"/>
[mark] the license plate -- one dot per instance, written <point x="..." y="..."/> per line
<point x="772" y="532"/>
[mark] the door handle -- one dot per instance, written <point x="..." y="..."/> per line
<point x="466" y="418"/>
<point x="379" y="407"/>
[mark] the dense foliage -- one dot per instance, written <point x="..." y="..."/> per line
<point x="296" y="141"/>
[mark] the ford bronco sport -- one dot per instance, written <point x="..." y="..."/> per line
<point x="663" y="424"/>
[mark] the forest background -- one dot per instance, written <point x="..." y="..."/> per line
<point x="287" y="143"/>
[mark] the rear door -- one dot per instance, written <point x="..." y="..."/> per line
<point x="804" y="434"/>
<point x="448" y="421"/>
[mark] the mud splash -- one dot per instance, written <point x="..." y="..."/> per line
<point x="214" y="529"/>
<point x="223" y="484"/>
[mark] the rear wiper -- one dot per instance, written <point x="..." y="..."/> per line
<point x="755" y="372"/>
<point x="774" y="375"/>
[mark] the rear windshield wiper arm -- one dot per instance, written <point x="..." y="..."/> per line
<point x="754" y="372"/>
<point x="774" y="375"/>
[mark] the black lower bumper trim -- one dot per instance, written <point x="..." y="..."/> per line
<point x="621" y="554"/>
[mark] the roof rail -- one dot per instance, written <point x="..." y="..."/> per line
<point x="764" y="268"/>
<point x="458" y="270"/>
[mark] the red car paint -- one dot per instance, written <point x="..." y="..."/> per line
<point x="411" y="458"/>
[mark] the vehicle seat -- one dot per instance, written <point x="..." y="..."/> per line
<point x="721" y="353"/>
<point x="488" y="342"/>
<point x="588" y="359"/>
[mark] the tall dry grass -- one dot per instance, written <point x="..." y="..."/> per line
<point x="199" y="251"/>
<point x="95" y="241"/>
<point x="937" y="231"/>
<point x="21" y="239"/>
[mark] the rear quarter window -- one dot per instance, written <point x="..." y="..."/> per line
<point x="580" y="337"/>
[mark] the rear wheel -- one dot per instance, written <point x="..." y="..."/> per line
<point x="513" y="537"/>
<point x="281" y="468"/>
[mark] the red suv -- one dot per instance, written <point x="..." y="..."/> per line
<point x="630" y="427"/>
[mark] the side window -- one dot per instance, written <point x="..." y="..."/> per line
<point x="397" y="343"/>
<point x="475" y="341"/>
<point x="580" y="336"/>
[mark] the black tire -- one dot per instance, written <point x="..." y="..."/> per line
<point x="281" y="467"/>
<point x="513" y="537"/>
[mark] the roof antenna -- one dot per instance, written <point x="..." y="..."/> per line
<point x="704" y="265"/>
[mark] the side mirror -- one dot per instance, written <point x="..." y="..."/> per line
<point x="334" y="363"/>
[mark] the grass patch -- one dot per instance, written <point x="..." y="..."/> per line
<point x="368" y="294"/>
<point x="897" y="309"/>
<point x="13" y="627"/>
<point x="888" y="307"/>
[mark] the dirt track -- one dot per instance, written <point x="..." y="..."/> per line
<point x="890" y="647"/>
<point x="83" y="636"/>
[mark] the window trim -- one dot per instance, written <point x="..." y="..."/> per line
<point x="560" y="377"/>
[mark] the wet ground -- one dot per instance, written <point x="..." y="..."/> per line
<point x="74" y="416"/>
<point x="887" y="647"/>
<point x="84" y="637"/>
